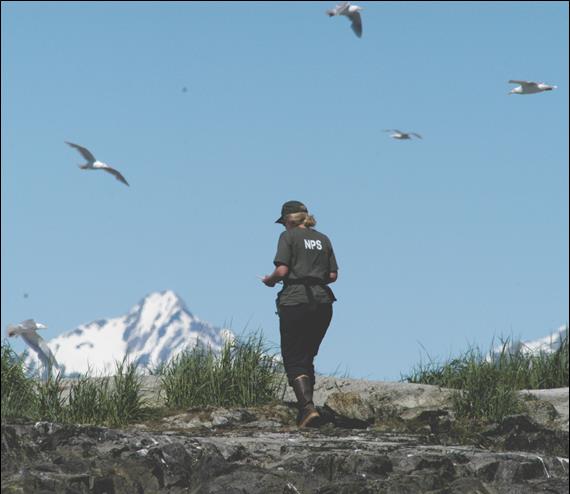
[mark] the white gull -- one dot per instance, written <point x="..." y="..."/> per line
<point x="530" y="87"/>
<point x="93" y="164"/>
<point x="352" y="12"/>
<point x="398" y="134"/>
<point x="27" y="331"/>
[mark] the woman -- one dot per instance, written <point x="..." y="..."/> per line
<point x="306" y="264"/>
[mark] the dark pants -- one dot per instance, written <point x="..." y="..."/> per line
<point x="302" y="329"/>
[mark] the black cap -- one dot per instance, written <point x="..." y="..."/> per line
<point x="291" y="207"/>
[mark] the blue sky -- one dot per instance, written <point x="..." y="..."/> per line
<point x="442" y="243"/>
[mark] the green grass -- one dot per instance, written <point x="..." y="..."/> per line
<point x="101" y="400"/>
<point x="89" y="400"/>
<point x="18" y="391"/>
<point x="486" y="387"/>
<point x="243" y="374"/>
<point x="50" y="403"/>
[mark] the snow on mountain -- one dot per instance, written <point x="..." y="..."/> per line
<point x="546" y="344"/>
<point x="155" y="330"/>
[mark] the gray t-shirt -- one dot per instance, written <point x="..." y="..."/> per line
<point x="310" y="258"/>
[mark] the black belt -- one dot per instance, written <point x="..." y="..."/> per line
<point x="304" y="281"/>
<point x="308" y="283"/>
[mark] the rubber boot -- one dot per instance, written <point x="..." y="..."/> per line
<point x="304" y="393"/>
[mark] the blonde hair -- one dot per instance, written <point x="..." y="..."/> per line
<point x="305" y="219"/>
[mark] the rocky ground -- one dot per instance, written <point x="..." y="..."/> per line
<point x="373" y="438"/>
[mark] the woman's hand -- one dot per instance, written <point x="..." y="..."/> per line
<point x="272" y="279"/>
<point x="267" y="280"/>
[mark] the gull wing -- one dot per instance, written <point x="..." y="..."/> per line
<point x="28" y="324"/>
<point x="84" y="151"/>
<point x="116" y="174"/>
<point x="39" y="345"/>
<point x="31" y="324"/>
<point x="356" y="24"/>
<point x="523" y="83"/>
<point x="47" y="352"/>
<point x="338" y="9"/>
<point x="417" y="135"/>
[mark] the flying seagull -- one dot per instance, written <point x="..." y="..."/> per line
<point x="350" y="11"/>
<point x="398" y="134"/>
<point x="530" y="87"/>
<point x="93" y="164"/>
<point x="27" y="331"/>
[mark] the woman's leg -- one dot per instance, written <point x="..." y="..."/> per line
<point x="302" y="329"/>
<point x="320" y="321"/>
<point x="294" y="346"/>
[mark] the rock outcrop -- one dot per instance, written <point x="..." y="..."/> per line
<point x="373" y="438"/>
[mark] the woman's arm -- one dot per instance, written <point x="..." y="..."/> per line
<point x="280" y="272"/>
<point x="333" y="276"/>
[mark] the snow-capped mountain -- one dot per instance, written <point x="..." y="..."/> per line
<point x="546" y="344"/>
<point x="155" y="330"/>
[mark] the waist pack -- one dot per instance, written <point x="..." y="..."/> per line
<point x="307" y="283"/>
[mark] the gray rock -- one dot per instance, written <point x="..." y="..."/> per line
<point x="375" y="437"/>
<point x="236" y="459"/>
<point x="375" y="401"/>
<point x="548" y="407"/>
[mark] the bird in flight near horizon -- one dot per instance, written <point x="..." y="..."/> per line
<point x="93" y="164"/>
<point x="352" y="12"/>
<point x="530" y="87"/>
<point x="398" y="134"/>
<point x="27" y="331"/>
